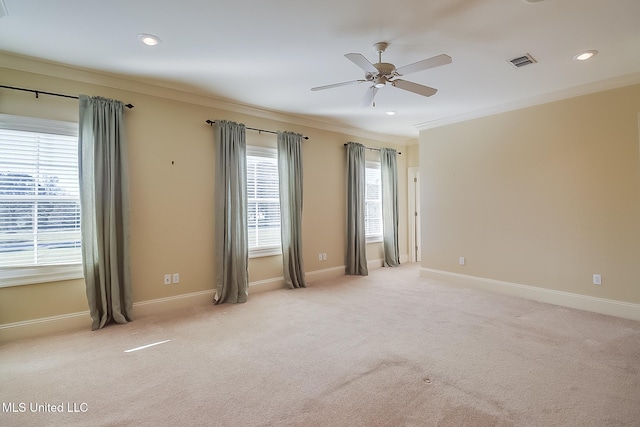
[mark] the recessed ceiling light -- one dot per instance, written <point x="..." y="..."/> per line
<point x="391" y="113"/>
<point x="583" y="56"/>
<point x="149" y="39"/>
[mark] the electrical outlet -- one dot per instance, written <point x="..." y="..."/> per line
<point x="176" y="278"/>
<point x="597" y="279"/>
<point x="320" y="257"/>
<point x="461" y="260"/>
<point x="167" y="279"/>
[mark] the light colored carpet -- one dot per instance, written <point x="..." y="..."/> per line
<point x="390" y="349"/>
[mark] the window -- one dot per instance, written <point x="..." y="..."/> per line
<point x="39" y="201"/>
<point x="373" y="202"/>
<point x="263" y="204"/>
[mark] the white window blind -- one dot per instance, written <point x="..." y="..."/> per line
<point x="373" y="202"/>
<point x="263" y="205"/>
<point x="39" y="193"/>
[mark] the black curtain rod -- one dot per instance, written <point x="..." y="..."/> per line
<point x="211" y="123"/>
<point x="38" y="92"/>
<point x="374" y="149"/>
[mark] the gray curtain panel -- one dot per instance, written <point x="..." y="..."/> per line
<point x="389" y="172"/>
<point x="104" y="205"/>
<point x="290" y="179"/>
<point x="231" y="238"/>
<point x="356" y="257"/>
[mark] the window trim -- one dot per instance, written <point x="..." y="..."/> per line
<point x="17" y="276"/>
<point x="273" y="250"/>
<point x="374" y="238"/>
<point x="32" y="124"/>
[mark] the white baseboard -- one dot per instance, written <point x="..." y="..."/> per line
<point x="266" y="285"/>
<point x="193" y="299"/>
<point x="324" y="274"/>
<point x="44" y="326"/>
<point x="71" y="321"/>
<point x="609" y="307"/>
<point x="333" y="272"/>
<point x="160" y="305"/>
<point x="379" y="263"/>
<point x="372" y="264"/>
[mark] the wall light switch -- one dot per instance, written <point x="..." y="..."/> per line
<point x="461" y="260"/>
<point x="597" y="279"/>
<point x="176" y="277"/>
<point x="324" y="256"/>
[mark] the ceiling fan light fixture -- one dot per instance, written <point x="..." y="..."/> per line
<point x="583" y="56"/>
<point x="380" y="81"/>
<point x="149" y="39"/>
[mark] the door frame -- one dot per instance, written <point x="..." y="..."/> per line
<point x="413" y="177"/>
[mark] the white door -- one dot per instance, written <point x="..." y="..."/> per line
<point x="414" y="214"/>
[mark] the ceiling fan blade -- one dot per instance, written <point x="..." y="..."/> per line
<point x="338" y="85"/>
<point x="367" y="101"/>
<point x="414" y="87"/>
<point x="362" y="62"/>
<point x="435" y="61"/>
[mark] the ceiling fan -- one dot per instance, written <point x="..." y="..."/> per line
<point x="382" y="73"/>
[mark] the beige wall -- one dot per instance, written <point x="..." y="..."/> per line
<point x="545" y="196"/>
<point x="172" y="213"/>
<point x="413" y="154"/>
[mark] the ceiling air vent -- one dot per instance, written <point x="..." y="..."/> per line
<point x="523" y="60"/>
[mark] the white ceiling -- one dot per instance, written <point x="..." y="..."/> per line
<point x="270" y="53"/>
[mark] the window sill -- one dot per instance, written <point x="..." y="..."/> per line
<point x="374" y="239"/>
<point x="18" y="276"/>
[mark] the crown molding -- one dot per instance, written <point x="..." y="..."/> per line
<point x="176" y="93"/>
<point x="613" y="83"/>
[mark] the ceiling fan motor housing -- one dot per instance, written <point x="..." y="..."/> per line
<point x="385" y="69"/>
<point x="385" y="73"/>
